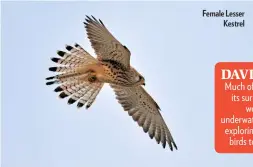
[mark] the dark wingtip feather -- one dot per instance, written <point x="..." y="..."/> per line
<point x="49" y="78"/>
<point x="77" y="45"/>
<point x="170" y="145"/>
<point x="164" y="144"/>
<point x="174" y="144"/>
<point x="62" y="95"/>
<point x="79" y="105"/>
<point x="60" y="53"/>
<point x="58" y="89"/>
<point x="94" y="18"/>
<point x="52" y="69"/>
<point x="50" y="83"/>
<point x="89" y="19"/>
<point x="54" y="59"/>
<point x="87" y="106"/>
<point x="69" y="48"/>
<point x="101" y="22"/>
<point x="145" y="130"/>
<point x="71" y="101"/>
<point x="151" y="136"/>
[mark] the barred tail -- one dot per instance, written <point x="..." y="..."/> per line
<point x="73" y="81"/>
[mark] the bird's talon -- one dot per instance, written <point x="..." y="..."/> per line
<point x="92" y="78"/>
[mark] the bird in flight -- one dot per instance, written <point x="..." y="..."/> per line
<point x="80" y="77"/>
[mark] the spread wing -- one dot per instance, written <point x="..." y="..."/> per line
<point x="145" y="111"/>
<point x="106" y="46"/>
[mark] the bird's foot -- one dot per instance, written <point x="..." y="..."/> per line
<point x="92" y="77"/>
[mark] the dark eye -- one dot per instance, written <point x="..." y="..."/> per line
<point x="140" y="77"/>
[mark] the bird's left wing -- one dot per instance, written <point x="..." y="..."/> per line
<point x="145" y="111"/>
<point x="106" y="46"/>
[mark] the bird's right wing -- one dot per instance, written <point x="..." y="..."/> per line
<point x="106" y="46"/>
<point x="145" y="111"/>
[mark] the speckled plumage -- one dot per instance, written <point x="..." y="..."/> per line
<point x="81" y="77"/>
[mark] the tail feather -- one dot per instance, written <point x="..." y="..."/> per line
<point x="67" y="85"/>
<point x="88" y="96"/>
<point x="77" y="95"/>
<point x="73" y="89"/>
<point x="72" y="78"/>
<point x="94" y="95"/>
<point x="61" y="69"/>
<point x="70" y="61"/>
<point x="77" y="57"/>
<point x="68" y="77"/>
<point x="79" y="52"/>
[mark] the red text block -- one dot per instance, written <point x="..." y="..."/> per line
<point x="234" y="107"/>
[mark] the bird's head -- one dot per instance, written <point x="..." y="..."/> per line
<point x="141" y="80"/>
<point x="138" y="78"/>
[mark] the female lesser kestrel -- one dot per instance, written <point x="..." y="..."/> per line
<point x="82" y="77"/>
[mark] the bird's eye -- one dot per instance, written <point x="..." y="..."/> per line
<point x="140" y="77"/>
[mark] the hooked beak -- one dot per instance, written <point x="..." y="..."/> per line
<point x="143" y="84"/>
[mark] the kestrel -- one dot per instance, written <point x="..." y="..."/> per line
<point x="81" y="77"/>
